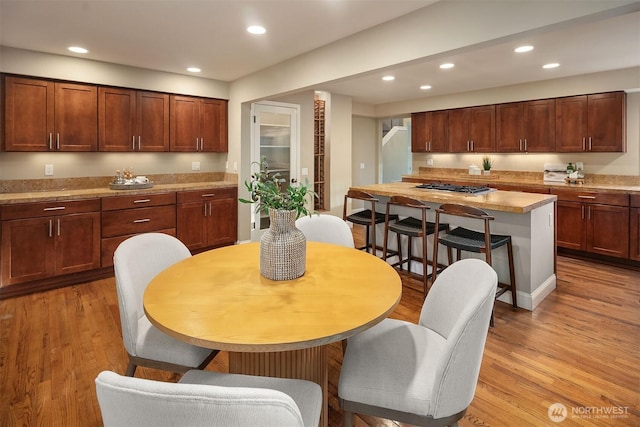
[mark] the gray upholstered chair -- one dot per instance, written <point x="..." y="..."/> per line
<point x="204" y="398"/>
<point x="424" y="374"/>
<point x="326" y="228"/>
<point x="136" y="261"/>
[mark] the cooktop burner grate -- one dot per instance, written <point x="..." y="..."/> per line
<point x="467" y="189"/>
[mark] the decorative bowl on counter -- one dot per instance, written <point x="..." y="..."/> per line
<point x="130" y="184"/>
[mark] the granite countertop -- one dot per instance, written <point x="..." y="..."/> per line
<point x="597" y="183"/>
<point x="77" y="189"/>
<point x="504" y="201"/>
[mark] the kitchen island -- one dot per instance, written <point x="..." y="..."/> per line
<point x="528" y="217"/>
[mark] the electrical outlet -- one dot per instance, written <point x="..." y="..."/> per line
<point x="305" y="171"/>
<point x="361" y="165"/>
<point x="195" y="166"/>
<point x="235" y="166"/>
<point x="429" y="162"/>
<point x="48" y="170"/>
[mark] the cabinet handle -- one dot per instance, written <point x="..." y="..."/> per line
<point x="50" y="141"/>
<point x="208" y="194"/>
<point x="584" y="144"/>
<point x="204" y="209"/>
<point x="468" y="145"/>
<point x="57" y="141"/>
<point x="520" y="145"/>
<point x="525" y="144"/>
<point x="142" y="201"/>
<point x="586" y="197"/>
<point x="197" y="144"/>
<point x="50" y="228"/>
<point x="472" y="145"/>
<point x="58" y="233"/>
<point x="210" y="208"/>
<point x="201" y="144"/>
<point x="57" y="208"/>
<point x="138" y="221"/>
<point x="139" y="143"/>
<point x="590" y="145"/>
<point x="133" y="142"/>
<point x="582" y="216"/>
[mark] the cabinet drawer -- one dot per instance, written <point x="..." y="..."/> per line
<point x="133" y="221"/>
<point x="110" y="244"/>
<point x="200" y="195"/>
<point x="137" y="201"/>
<point x="635" y="200"/>
<point x="592" y="197"/>
<point x="41" y="209"/>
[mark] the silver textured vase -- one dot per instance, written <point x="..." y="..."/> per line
<point x="283" y="248"/>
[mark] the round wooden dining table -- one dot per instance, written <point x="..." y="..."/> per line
<point x="218" y="299"/>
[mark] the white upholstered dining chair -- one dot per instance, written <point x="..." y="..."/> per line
<point x="205" y="398"/>
<point x="423" y="374"/>
<point x="326" y="228"/>
<point x="136" y="261"/>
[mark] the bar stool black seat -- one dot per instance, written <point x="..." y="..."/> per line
<point x="464" y="239"/>
<point x="367" y="217"/>
<point x="410" y="227"/>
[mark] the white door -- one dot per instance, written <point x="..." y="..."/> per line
<point x="274" y="135"/>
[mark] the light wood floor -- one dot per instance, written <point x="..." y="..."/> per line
<point x="580" y="347"/>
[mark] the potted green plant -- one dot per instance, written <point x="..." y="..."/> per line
<point x="487" y="163"/>
<point x="282" y="246"/>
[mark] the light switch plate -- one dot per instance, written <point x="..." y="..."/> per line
<point x="305" y="171"/>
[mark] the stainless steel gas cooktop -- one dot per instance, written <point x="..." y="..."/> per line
<point x="465" y="189"/>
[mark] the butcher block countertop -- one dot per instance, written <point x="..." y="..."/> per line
<point x="505" y="201"/>
<point x="77" y="189"/>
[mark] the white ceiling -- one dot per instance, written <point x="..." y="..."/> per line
<point x="210" y="34"/>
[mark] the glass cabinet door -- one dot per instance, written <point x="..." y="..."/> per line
<point x="275" y="136"/>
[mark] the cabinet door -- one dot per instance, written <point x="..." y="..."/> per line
<point x="185" y="123"/>
<point x="458" y="130"/>
<point x="634" y="233"/>
<point x="539" y="126"/>
<point x="509" y="127"/>
<point x="221" y="226"/>
<point x="606" y="125"/>
<point x="570" y="223"/>
<point x="76" y="117"/>
<point x="29" y="106"/>
<point x="571" y="123"/>
<point x="213" y="126"/>
<point x="437" y="124"/>
<point x="77" y="242"/>
<point x="116" y="119"/>
<point x="27" y="250"/>
<point x="152" y="121"/>
<point x="482" y="130"/>
<point x="190" y="223"/>
<point x="419" y="136"/>
<point x="608" y="230"/>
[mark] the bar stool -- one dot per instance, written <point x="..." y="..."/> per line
<point x="410" y="227"/>
<point x="367" y="217"/>
<point x="463" y="239"/>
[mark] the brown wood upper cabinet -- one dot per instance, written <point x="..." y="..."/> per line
<point x="133" y="120"/>
<point x="429" y="132"/>
<point x="526" y="126"/>
<point x="591" y="123"/>
<point x="198" y="124"/>
<point x="42" y="115"/>
<point x="472" y="129"/>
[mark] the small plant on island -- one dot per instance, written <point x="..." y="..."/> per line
<point x="487" y="163"/>
<point x="267" y="190"/>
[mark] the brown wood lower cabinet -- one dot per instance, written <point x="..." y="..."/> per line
<point x="43" y="240"/>
<point x="634" y="228"/>
<point x="126" y="216"/>
<point x="593" y="222"/>
<point x="207" y="218"/>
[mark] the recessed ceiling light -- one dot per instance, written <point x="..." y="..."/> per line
<point x="194" y="69"/>
<point x="256" y="29"/>
<point x="77" y="49"/>
<point x="447" y="65"/>
<point x="551" y="65"/>
<point x="388" y="78"/>
<point x="522" y="49"/>
<point x="425" y="87"/>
